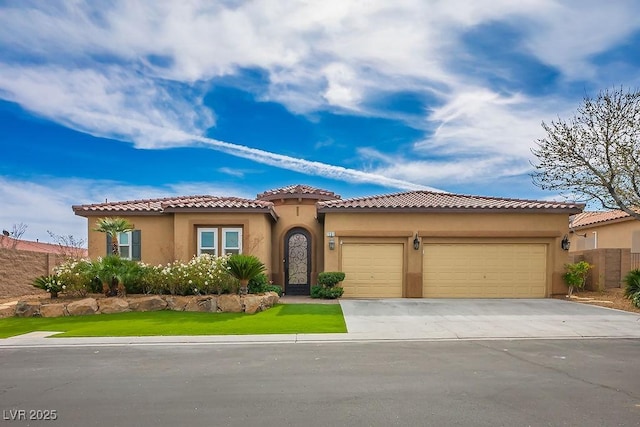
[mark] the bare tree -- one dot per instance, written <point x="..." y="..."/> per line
<point x="595" y="155"/>
<point x="69" y="246"/>
<point x="10" y="239"/>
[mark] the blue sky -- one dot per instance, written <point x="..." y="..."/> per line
<point x="124" y="100"/>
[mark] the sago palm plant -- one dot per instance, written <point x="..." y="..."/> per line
<point x="115" y="274"/>
<point x="244" y="268"/>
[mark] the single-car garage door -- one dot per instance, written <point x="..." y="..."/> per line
<point x="372" y="270"/>
<point x="484" y="271"/>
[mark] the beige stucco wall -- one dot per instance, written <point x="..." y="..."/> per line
<point x="293" y="213"/>
<point x="166" y="238"/>
<point x="609" y="236"/>
<point x="156" y="233"/>
<point x="256" y="234"/>
<point x="449" y="227"/>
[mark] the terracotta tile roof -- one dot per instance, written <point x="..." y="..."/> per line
<point x="298" y="191"/>
<point x="172" y="204"/>
<point x="212" y="202"/>
<point x="31" y="246"/>
<point x="590" y="218"/>
<point x="425" y="201"/>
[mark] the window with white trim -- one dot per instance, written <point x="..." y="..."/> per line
<point x="231" y="241"/>
<point x="208" y="241"/>
<point x="124" y="245"/>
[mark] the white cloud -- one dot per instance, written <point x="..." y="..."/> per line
<point x="568" y="34"/>
<point x="138" y="71"/>
<point x="107" y="102"/>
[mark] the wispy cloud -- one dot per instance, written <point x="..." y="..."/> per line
<point x="139" y="72"/>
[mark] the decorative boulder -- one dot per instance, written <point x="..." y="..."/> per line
<point x="151" y="303"/>
<point x="82" y="307"/>
<point x="27" y="309"/>
<point x="53" y="310"/>
<point x="113" y="305"/>
<point x="177" y="303"/>
<point x="252" y="304"/>
<point x="229" y="304"/>
<point x="272" y="299"/>
<point x="204" y="304"/>
<point x="8" y="309"/>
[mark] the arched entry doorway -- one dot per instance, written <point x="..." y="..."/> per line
<point x="297" y="262"/>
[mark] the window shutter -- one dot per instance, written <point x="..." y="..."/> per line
<point x="109" y="247"/>
<point x="136" y="245"/>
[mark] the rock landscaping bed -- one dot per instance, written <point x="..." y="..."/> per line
<point x="611" y="298"/>
<point x="228" y="303"/>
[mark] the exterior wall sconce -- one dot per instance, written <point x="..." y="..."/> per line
<point x="416" y="242"/>
<point x="332" y="241"/>
<point x="565" y="244"/>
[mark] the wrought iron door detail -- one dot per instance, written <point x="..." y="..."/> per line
<point x="297" y="267"/>
<point x="298" y="256"/>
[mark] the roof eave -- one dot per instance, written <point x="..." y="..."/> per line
<point x="86" y="213"/>
<point x="254" y="210"/>
<point x="567" y="210"/>
<point x="601" y="223"/>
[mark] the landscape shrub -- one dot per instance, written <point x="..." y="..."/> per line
<point x="576" y="275"/>
<point x="50" y="284"/>
<point x="632" y="288"/>
<point x="204" y="274"/>
<point x="319" y="291"/>
<point x="244" y="268"/>
<point x="117" y="275"/>
<point x="260" y="284"/>
<point x="327" y="285"/>
<point x="330" y="279"/>
<point x="75" y="275"/>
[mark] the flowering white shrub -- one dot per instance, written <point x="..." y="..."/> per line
<point x="203" y="274"/>
<point x="76" y="276"/>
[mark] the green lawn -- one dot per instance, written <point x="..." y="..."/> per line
<point x="281" y="319"/>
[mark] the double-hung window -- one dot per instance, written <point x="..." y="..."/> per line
<point x="124" y="245"/>
<point x="129" y="245"/>
<point x="208" y="241"/>
<point x="231" y="241"/>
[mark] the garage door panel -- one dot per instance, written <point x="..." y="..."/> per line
<point x="484" y="270"/>
<point x="372" y="270"/>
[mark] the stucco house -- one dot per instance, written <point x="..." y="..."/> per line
<point x="604" y="230"/>
<point x="412" y="244"/>
<point x="609" y="240"/>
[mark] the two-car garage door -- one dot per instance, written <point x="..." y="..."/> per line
<point x="450" y="270"/>
<point x="484" y="271"/>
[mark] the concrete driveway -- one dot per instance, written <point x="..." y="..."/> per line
<point x="484" y="318"/>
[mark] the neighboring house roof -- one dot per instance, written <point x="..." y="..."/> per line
<point x="31" y="246"/>
<point x="428" y="201"/>
<point x="586" y="219"/>
<point x="298" y="192"/>
<point x="175" y="204"/>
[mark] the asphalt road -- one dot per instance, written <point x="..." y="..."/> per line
<point x="467" y="383"/>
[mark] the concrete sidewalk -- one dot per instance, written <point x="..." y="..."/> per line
<point x="409" y="319"/>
